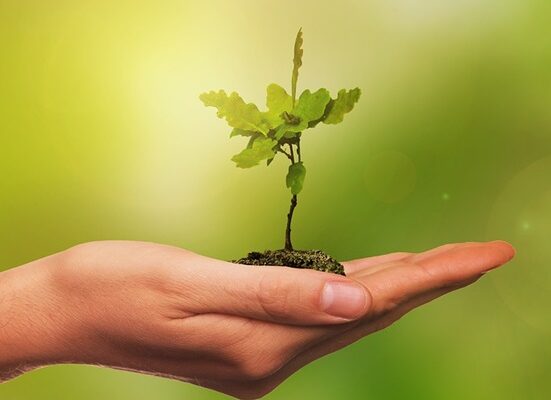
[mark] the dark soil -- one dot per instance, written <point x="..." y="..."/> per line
<point x="312" y="259"/>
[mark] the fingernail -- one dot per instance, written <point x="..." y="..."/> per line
<point x="344" y="300"/>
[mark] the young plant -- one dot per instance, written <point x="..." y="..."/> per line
<point x="279" y="129"/>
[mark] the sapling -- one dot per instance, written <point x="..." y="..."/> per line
<point x="279" y="131"/>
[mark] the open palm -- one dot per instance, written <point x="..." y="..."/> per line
<point x="398" y="283"/>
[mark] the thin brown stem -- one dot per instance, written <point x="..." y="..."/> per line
<point x="288" y="155"/>
<point x="291" y="148"/>
<point x="288" y="244"/>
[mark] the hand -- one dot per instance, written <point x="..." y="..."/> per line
<point x="398" y="283"/>
<point x="237" y="329"/>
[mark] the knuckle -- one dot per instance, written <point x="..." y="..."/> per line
<point x="274" y="298"/>
<point x="441" y="278"/>
<point x="79" y="256"/>
<point x="253" y="363"/>
<point x="256" y="365"/>
<point x="75" y="255"/>
<point x="426" y="271"/>
<point x="271" y="352"/>
<point x="66" y="263"/>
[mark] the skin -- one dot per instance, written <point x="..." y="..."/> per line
<point x="236" y="329"/>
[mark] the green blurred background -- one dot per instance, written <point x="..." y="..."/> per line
<point x="102" y="136"/>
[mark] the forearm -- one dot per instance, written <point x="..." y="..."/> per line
<point x="31" y="323"/>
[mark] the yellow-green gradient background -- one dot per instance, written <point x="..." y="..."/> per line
<point x="102" y="136"/>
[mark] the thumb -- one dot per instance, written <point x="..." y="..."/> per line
<point x="280" y="294"/>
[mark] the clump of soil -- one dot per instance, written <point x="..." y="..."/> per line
<point x="312" y="259"/>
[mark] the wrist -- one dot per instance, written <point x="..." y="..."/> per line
<point x="33" y="327"/>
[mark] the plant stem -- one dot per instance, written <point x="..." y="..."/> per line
<point x="288" y="244"/>
<point x="294" y="199"/>
<point x="286" y="154"/>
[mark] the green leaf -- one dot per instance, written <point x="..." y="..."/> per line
<point x="281" y="131"/>
<point x="237" y="113"/>
<point x="241" y="132"/>
<point x="311" y="106"/>
<point x="286" y="131"/>
<point x="255" y="136"/>
<point x="291" y="135"/>
<point x="295" y="177"/>
<point x="262" y="148"/>
<point x="277" y="100"/>
<point x="342" y="105"/>
<point x="297" y="63"/>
